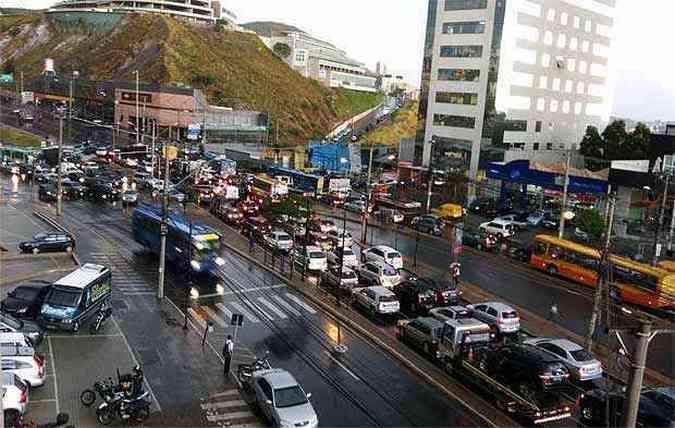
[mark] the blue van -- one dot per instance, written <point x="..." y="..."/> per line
<point x="76" y="298"/>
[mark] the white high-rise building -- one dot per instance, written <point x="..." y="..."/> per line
<point x="512" y="74"/>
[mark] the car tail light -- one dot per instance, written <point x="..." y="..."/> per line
<point x="440" y="298"/>
<point x="24" y="396"/>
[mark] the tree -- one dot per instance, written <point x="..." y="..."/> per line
<point x="636" y="145"/>
<point x="592" y="222"/>
<point x="282" y="50"/>
<point x="592" y="144"/>
<point x="615" y="138"/>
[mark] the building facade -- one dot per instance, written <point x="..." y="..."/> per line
<point x="207" y="11"/>
<point x="526" y="75"/>
<point x="320" y="60"/>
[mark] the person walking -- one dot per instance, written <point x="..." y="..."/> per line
<point x="554" y="313"/>
<point x="228" y="350"/>
<point x="251" y="242"/>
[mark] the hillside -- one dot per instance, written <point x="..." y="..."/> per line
<point x="403" y="124"/>
<point x="233" y="69"/>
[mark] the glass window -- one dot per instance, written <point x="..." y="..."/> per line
<point x="554" y="106"/>
<point x="583" y="67"/>
<point x="462" y="51"/>
<point x="580" y="88"/>
<point x="458" y="74"/>
<point x="535" y="146"/>
<point x="563" y="18"/>
<point x="545" y="60"/>
<point x="566" y="106"/>
<point x="457" y="98"/>
<point x="515" y="125"/>
<point x="543" y="82"/>
<point x="571" y="64"/>
<point x="568" y="86"/>
<point x="585" y="45"/>
<point x="289" y="397"/>
<point x="492" y="311"/>
<point x="562" y="40"/>
<point x="454" y="121"/>
<point x="541" y="104"/>
<point x="550" y="15"/>
<point x="577" y="22"/>
<point x="465" y="4"/>
<point x="556" y="84"/>
<point x="548" y="38"/>
<point x="537" y="126"/>
<point x="470" y="27"/>
<point x="577" y="108"/>
<point x="573" y="43"/>
<point x="587" y="26"/>
<point x="549" y="146"/>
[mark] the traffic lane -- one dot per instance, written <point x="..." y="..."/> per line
<point x="16" y="226"/>
<point x="390" y="391"/>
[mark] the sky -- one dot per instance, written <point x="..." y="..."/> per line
<point x="392" y="31"/>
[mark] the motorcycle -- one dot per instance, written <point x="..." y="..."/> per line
<point x="105" y="390"/>
<point x="129" y="384"/>
<point x="245" y="371"/>
<point x="103" y="315"/>
<point x="126" y="409"/>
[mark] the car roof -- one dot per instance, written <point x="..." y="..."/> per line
<point x="431" y="322"/>
<point x="384" y="248"/>
<point x="467" y="323"/>
<point x="499" y="306"/>
<point x="565" y="344"/>
<point x="81" y="277"/>
<point x="278" y="378"/>
<point x="456" y="308"/>
<point x="382" y="291"/>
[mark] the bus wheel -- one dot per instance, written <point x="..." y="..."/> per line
<point x="552" y="270"/>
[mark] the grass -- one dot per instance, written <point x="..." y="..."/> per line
<point x="232" y="69"/>
<point x="403" y="124"/>
<point x="19" y="138"/>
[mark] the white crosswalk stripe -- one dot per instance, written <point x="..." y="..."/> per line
<point x="300" y="303"/>
<point x="286" y="305"/>
<point x="272" y="308"/>
<point x="224" y="310"/>
<point x="244" y="312"/>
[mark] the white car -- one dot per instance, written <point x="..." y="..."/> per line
<point x="348" y="281"/>
<point x="379" y="273"/>
<point x="340" y="238"/>
<point x="582" y="365"/>
<point x="348" y="255"/>
<point x="310" y="258"/>
<point x="498" y="227"/>
<point x="377" y="301"/>
<point x="500" y="315"/>
<point x="282" y="400"/>
<point x="279" y="240"/>
<point x="14" y="398"/>
<point x="131" y="162"/>
<point x="446" y="313"/>
<point x="384" y="254"/>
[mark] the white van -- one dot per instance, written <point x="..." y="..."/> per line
<point x="382" y="253"/>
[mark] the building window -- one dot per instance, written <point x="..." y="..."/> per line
<point x="573" y="43"/>
<point x="577" y="108"/>
<point x="545" y="60"/>
<point x="566" y="106"/>
<point x="583" y="67"/>
<point x="541" y="104"/>
<point x="568" y="86"/>
<point x="556" y="84"/>
<point x="535" y="146"/>
<point x="457" y="98"/>
<point x="543" y="82"/>
<point x="548" y="38"/>
<point x="454" y="121"/>
<point x="300" y="56"/>
<point x="563" y="18"/>
<point x="585" y="45"/>
<point x="550" y="15"/>
<point x="515" y="125"/>
<point x="458" y="74"/>
<point x="464" y="51"/>
<point x="474" y="27"/>
<point x="465" y="4"/>
<point x="554" y="106"/>
<point x="577" y="22"/>
<point x="537" y="126"/>
<point x="562" y="39"/>
<point x="580" y="88"/>
<point x="571" y="64"/>
<point x="549" y="146"/>
<point x="587" y="26"/>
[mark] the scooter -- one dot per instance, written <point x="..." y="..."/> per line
<point x="245" y="371"/>
<point x="103" y="315"/>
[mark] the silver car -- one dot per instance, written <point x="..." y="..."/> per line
<point x="282" y="400"/>
<point x="582" y="365"/>
<point x="500" y="315"/>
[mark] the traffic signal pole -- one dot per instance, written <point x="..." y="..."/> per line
<point x="655" y="258"/>
<point x="364" y="218"/>
<point x="164" y="226"/>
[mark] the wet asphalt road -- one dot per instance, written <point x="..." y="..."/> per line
<point x="364" y="388"/>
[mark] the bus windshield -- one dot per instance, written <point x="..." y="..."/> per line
<point x="205" y="246"/>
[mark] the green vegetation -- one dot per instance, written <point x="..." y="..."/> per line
<point x="615" y="143"/>
<point x="592" y="222"/>
<point x="19" y="138"/>
<point x="233" y="69"/>
<point x="403" y="124"/>
<point x="282" y="49"/>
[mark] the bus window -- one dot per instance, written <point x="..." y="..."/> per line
<point x="540" y="248"/>
<point x="556" y="252"/>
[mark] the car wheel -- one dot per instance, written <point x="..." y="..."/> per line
<point x="36" y="250"/>
<point x="552" y="270"/>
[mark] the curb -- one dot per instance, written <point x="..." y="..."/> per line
<point x="56" y="225"/>
<point x="30" y="276"/>
<point x="356" y="328"/>
<point x="15" y="257"/>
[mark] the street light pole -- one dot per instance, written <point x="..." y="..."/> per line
<point x="655" y="258"/>
<point x="672" y="231"/>
<point x="431" y="175"/>
<point x="59" y="185"/>
<point x="561" y="229"/>
<point x="364" y="217"/>
<point x="138" y="112"/>
<point x="164" y="226"/>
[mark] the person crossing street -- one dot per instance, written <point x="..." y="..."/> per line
<point x="228" y="350"/>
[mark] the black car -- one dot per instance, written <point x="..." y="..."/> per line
<point x="526" y="369"/>
<point x="47" y="193"/>
<point x="427" y="224"/>
<point x="418" y="295"/>
<point x="48" y="242"/>
<point x="656" y="408"/>
<point x="25" y="301"/>
<point x="73" y="189"/>
<point x="257" y="227"/>
<point x="101" y="190"/>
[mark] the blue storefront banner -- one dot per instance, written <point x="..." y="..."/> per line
<point x="519" y="171"/>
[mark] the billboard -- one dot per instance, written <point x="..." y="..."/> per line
<point x="193" y="131"/>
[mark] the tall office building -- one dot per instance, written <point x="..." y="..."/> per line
<point x="511" y="74"/>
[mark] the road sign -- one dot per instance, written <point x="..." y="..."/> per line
<point x="193" y="131"/>
<point x="237" y="320"/>
<point x="163" y="229"/>
<point x="170" y="152"/>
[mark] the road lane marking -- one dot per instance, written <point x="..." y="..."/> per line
<point x="229" y="416"/>
<point x="224" y="310"/>
<point x="286" y="305"/>
<point x="223" y="404"/>
<point x="56" y="384"/>
<point x="244" y="311"/>
<point x="214" y="317"/>
<point x="273" y="308"/>
<point x="335" y="360"/>
<point x="300" y="303"/>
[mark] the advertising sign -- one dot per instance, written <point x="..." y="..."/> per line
<point x="193" y="131"/>
<point x="339" y="185"/>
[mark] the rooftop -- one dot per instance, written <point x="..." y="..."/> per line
<point x="83" y="276"/>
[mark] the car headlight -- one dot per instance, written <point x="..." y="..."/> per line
<point x="21" y="310"/>
<point x="219" y="261"/>
<point x="67" y="321"/>
<point x="195" y="265"/>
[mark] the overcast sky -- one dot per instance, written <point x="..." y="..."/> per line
<point x="392" y="31"/>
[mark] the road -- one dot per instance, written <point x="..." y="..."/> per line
<point x="366" y="387"/>
<point x="516" y="283"/>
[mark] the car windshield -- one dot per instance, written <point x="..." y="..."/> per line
<point x="25" y="293"/>
<point x="316" y="255"/>
<point x="289" y="397"/>
<point x="388" y="298"/>
<point x="509" y="315"/>
<point x="283" y="238"/>
<point x="40" y="236"/>
<point x="347" y="252"/>
<point x="389" y="271"/>
<point x="581" y="355"/>
<point x="393" y="255"/>
<point x="64" y="296"/>
<point x="462" y="314"/>
<point x="205" y="245"/>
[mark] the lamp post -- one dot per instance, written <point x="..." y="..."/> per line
<point x="431" y="175"/>
<point x="657" y="245"/>
<point x="138" y="110"/>
<point x="364" y="218"/>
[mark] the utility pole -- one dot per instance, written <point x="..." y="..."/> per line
<point x="637" y="372"/>
<point x="164" y="226"/>
<point x="602" y="278"/>
<point x="59" y="185"/>
<point x="342" y="254"/>
<point x="672" y="231"/>
<point x="364" y="218"/>
<point x="70" y="99"/>
<point x="655" y="258"/>
<point x="563" y="206"/>
<point x="138" y="112"/>
<point x="152" y="161"/>
<point x="431" y="175"/>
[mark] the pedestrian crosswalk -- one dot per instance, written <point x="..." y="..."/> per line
<point x="278" y="306"/>
<point x="125" y="277"/>
<point x="228" y="408"/>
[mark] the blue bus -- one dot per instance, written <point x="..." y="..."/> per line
<point x="202" y="257"/>
<point x="300" y="182"/>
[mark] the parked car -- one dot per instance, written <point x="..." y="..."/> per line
<point x="535" y="218"/>
<point x="340" y="238"/>
<point x="130" y="197"/>
<point x="582" y="365"/>
<point x="47" y="192"/>
<point x="10" y="324"/>
<point x="282" y="400"/>
<point x="377" y="301"/>
<point x="429" y="225"/>
<point x="379" y="273"/>
<point x="20" y="357"/>
<point x="419" y="295"/>
<point x="14" y="398"/>
<point x="348" y="255"/>
<point x="518" y="220"/>
<point x="258" y="227"/>
<point x="25" y="300"/>
<point x="48" y="242"/>
<point x="504" y="318"/>
<point x="477" y="240"/>
<point x="526" y="369"/>
<point x="382" y="253"/>
<point x="655" y="409"/>
<point x="446" y="313"/>
<point x="499" y="228"/>
<point x="423" y="333"/>
<point x="347" y="281"/>
<point x="279" y="240"/>
<point x="310" y="258"/>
